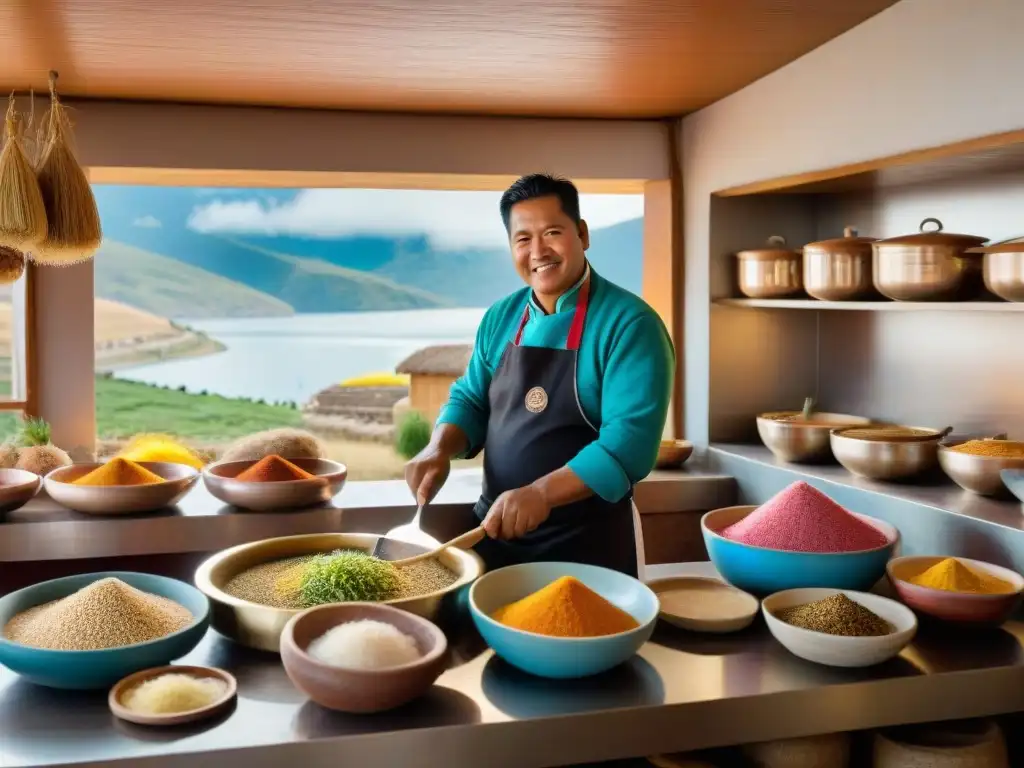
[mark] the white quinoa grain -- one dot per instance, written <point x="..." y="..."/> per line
<point x="106" y="614"/>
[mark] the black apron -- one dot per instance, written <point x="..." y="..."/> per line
<point x="536" y="426"/>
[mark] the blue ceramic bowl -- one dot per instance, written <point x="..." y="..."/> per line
<point x="1014" y="480"/>
<point x="100" y="669"/>
<point x="764" y="571"/>
<point x="561" y="657"/>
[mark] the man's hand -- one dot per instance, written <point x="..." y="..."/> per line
<point x="426" y="473"/>
<point x="515" y="513"/>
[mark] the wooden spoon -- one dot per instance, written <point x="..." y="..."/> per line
<point x="808" y="408"/>
<point x="467" y="540"/>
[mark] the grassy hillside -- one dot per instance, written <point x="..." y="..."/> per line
<point x="313" y="285"/>
<point x="124" y="408"/>
<point x="114" y="322"/>
<point x="167" y="287"/>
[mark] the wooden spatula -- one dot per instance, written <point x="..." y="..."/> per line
<point x="468" y="540"/>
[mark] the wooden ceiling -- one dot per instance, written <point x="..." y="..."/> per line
<point x="558" y="58"/>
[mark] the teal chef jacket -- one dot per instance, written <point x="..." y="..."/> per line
<point x="624" y="375"/>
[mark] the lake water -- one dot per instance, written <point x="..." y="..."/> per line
<point x="293" y="358"/>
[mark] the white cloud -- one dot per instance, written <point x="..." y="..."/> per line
<point x="450" y="219"/>
<point x="147" y="222"/>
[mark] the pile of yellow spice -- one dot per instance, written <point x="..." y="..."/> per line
<point x="995" y="449"/>
<point x="950" y="575"/>
<point x="566" y="608"/>
<point x="120" y="472"/>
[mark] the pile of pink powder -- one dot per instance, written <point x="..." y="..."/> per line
<point x="801" y="518"/>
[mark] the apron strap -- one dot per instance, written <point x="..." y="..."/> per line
<point x="572" y="342"/>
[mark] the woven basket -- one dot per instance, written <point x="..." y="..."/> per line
<point x="966" y="744"/>
<point x="831" y="750"/>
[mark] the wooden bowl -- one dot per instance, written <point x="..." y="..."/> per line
<point x="17" y="488"/>
<point x="118" y="692"/>
<point x="673" y="453"/>
<point x="346" y="689"/>
<point x="956" y="607"/>
<point x="286" y="494"/>
<point x="120" y="499"/>
<point x="702" y="604"/>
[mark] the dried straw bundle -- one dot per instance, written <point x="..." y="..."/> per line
<point x="22" y="211"/>
<point x="12" y="265"/>
<point x="73" y="231"/>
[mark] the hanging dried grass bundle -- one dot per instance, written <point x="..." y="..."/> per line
<point x="22" y="212"/>
<point x="12" y="265"/>
<point x="73" y="221"/>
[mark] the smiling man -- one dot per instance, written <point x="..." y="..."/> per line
<point x="566" y="393"/>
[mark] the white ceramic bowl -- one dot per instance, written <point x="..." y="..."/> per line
<point x="835" y="650"/>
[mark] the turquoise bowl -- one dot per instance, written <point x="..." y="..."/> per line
<point x="561" y="657"/>
<point x="86" y="670"/>
<point x="764" y="571"/>
<point x="1014" y="480"/>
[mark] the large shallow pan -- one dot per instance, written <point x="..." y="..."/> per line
<point x="260" y="626"/>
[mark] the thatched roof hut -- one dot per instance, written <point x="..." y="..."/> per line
<point x="440" y="360"/>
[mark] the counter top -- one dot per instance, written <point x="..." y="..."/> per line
<point x="681" y="692"/>
<point x="937" y="491"/>
<point x="44" y="530"/>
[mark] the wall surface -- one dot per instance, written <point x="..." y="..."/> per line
<point x="906" y="79"/>
<point x="112" y="137"/>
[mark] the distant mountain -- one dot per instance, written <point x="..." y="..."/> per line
<point x="314" y="285"/>
<point x="168" y="288"/>
<point x="341" y="274"/>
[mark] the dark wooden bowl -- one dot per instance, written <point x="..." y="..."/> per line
<point x="178" y="718"/>
<point x="358" y="690"/>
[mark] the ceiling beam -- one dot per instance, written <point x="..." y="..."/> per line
<point x="41" y="28"/>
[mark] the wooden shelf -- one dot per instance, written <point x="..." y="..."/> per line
<point x="876" y="306"/>
<point x="998" y="153"/>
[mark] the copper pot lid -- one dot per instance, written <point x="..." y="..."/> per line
<point x="934" y="237"/>
<point x="849" y="241"/>
<point x="1016" y="245"/>
<point x="776" y="250"/>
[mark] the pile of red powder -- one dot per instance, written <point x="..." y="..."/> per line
<point x="801" y="518"/>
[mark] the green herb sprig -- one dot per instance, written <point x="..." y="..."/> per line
<point x="348" y="577"/>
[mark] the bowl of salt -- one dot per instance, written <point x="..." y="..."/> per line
<point x="362" y="657"/>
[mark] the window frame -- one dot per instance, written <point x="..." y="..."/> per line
<point x="28" y="405"/>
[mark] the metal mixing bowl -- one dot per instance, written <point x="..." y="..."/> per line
<point x="797" y="441"/>
<point x="260" y="626"/>
<point x="978" y="474"/>
<point x="885" y="459"/>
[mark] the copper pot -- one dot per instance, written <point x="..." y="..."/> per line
<point x="839" y="269"/>
<point x="770" y="273"/>
<point x="931" y="265"/>
<point x="1003" y="268"/>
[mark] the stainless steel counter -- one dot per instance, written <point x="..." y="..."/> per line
<point x="933" y="515"/>
<point x="43" y="530"/>
<point x="682" y="692"/>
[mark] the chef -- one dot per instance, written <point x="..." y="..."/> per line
<point x="566" y="393"/>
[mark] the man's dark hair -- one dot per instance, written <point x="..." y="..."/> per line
<point x="541" y="185"/>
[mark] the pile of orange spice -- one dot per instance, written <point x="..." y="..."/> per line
<point x="273" y="469"/>
<point x="120" y="472"/>
<point x="1001" y="449"/>
<point x="566" y="608"/>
